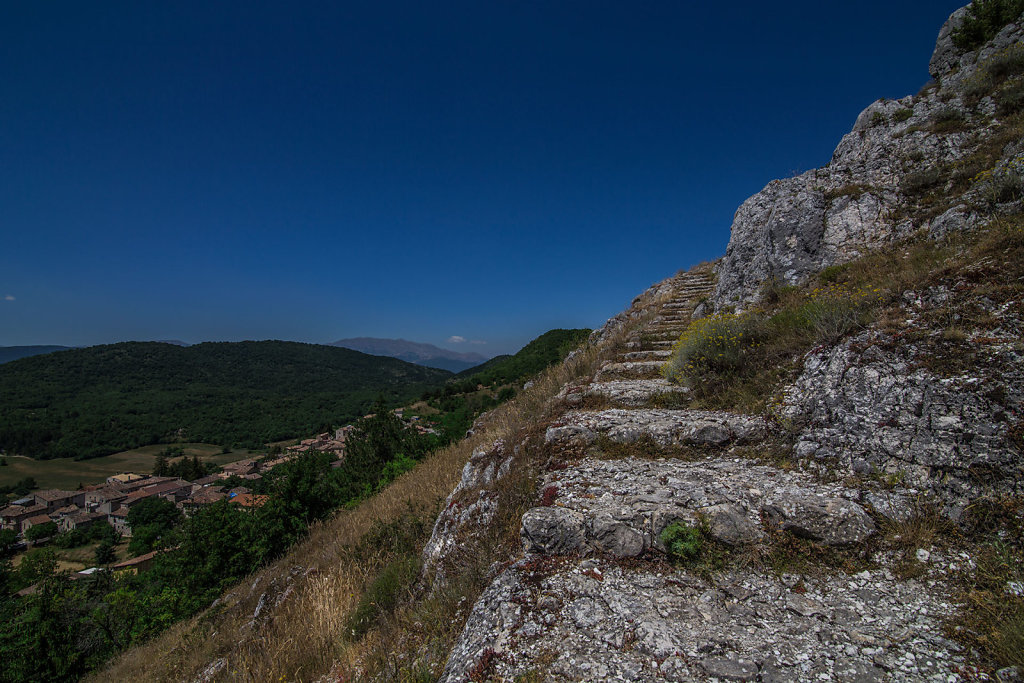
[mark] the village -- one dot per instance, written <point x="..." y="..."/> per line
<point x="111" y="501"/>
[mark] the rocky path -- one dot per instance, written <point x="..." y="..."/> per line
<point x="594" y="598"/>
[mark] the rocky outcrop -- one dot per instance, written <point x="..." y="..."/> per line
<point x="867" y="409"/>
<point x="796" y="226"/>
<point x="952" y="66"/>
<point x="469" y="508"/>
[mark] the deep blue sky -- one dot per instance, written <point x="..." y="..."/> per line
<point x="312" y="171"/>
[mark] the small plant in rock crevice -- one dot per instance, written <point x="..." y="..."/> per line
<point x="683" y="542"/>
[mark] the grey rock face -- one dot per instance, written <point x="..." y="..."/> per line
<point x="864" y="404"/>
<point x="776" y="233"/>
<point x="946" y="55"/>
<point x="832" y="521"/>
<point x="729" y="524"/>
<point x="470" y="506"/>
<point x="552" y="530"/>
<point x="592" y="621"/>
<point x="796" y="226"/>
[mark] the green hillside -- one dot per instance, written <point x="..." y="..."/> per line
<point x="549" y="348"/>
<point x="104" y="399"/>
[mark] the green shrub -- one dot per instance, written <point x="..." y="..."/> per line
<point x="1006" y="63"/>
<point x="985" y="18"/>
<point x="902" y="115"/>
<point x="1010" y="99"/>
<point x="948" y="120"/>
<point x="830" y="313"/>
<point x="385" y="593"/>
<point x="1002" y="66"/>
<point x="718" y="343"/>
<point x="832" y="274"/>
<point x="1002" y="184"/>
<point x="682" y="541"/>
<point x="919" y="182"/>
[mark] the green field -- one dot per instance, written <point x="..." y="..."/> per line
<point x="65" y="473"/>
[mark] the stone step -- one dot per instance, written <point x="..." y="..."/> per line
<point x="632" y="392"/>
<point x="596" y="619"/>
<point x="663" y="426"/>
<point x="620" y="506"/>
<point x="641" y="345"/>
<point x="645" y="355"/>
<point x="661" y="336"/>
<point x="630" y="370"/>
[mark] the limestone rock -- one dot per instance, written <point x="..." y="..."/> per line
<point x="730" y="525"/>
<point x="832" y="521"/>
<point x="664" y="427"/>
<point x="552" y="530"/>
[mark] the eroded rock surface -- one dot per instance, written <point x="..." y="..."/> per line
<point x="595" y="621"/>
<point x="620" y="507"/>
<point x="867" y="409"/>
<point x="664" y="427"/>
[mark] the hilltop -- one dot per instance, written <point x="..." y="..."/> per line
<point x="105" y="399"/>
<point x="9" y="353"/>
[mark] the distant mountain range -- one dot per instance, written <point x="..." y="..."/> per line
<point x="414" y="352"/>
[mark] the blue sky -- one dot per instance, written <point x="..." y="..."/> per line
<point x="488" y="170"/>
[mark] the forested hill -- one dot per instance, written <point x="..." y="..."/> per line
<point x="103" y="399"/>
<point x="9" y="353"/>
<point x="547" y="349"/>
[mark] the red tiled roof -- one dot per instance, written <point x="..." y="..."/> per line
<point x="249" y="500"/>
<point x="54" y="494"/>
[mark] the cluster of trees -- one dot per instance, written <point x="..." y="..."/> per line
<point x="22" y="487"/>
<point x="79" y="624"/>
<point x="188" y="469"/>
<point x="91" y="402"/>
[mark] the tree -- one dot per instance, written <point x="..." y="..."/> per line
<point x="105" y="553"/>
<point x="23" y="487"/>
<point x="37" y="565"/>
<point x="160" y="465"/>
<point x="7" y="540"/>
<point x="154" y="512"/>
<point x="39" y="531"/>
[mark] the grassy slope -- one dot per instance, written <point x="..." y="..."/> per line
<point x="105" y="399"/>
<point x="64" y="473"/>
